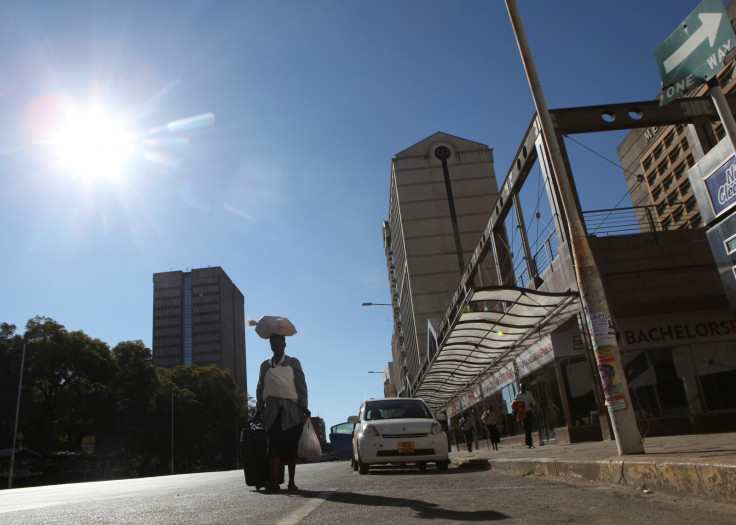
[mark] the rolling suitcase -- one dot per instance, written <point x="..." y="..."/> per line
<point x="253" y="453"/>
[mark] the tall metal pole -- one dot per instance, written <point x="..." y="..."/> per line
<point x="597" y="313"/>
<point x="172" y="431"/>
<point x="17" y="411"/>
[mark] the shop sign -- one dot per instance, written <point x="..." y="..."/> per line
<point x="641" y="333"/>
<point x="535" y="357"/>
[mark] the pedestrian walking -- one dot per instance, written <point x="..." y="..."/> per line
<point x="468" y="427"/>
<point x="523" y="406"/>
<point x="490" y="419"/>
<point x="281" y="404"/>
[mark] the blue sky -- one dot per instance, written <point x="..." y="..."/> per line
<point x="285" y="180"/>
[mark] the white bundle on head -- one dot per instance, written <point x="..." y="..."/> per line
<point x="269" y="325"/>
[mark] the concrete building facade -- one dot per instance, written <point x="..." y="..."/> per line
<point x="437" y="210"/>
<point x="198" y="318"/>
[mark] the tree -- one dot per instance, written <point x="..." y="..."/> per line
<point x="67" y="394"/>
<point x="136" y="386"/>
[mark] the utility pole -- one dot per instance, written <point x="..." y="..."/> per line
<point x="597" y="313"/>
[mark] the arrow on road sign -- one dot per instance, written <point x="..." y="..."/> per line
<point x="708" y="30"/>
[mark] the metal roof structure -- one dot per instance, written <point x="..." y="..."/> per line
<point x="495" y="325"/>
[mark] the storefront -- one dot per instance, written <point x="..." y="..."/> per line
<point x="681" y="371"/>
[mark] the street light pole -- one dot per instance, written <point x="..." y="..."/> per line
<point x="17" y="411"/>
<point x="377" y="304"/>
<point x="172" y="431"/>
<point x="597" y="313"/>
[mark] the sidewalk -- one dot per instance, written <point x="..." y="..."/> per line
<point x="694" y="465"/>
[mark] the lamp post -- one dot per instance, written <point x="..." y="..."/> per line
<point x="377" y="304"/>
<point x="17" y="411"/>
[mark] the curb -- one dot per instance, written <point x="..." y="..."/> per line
<point x="679" y="478"/>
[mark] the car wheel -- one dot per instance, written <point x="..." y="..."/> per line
<point x="443" y="465"/>
<point x="362" y="467"/>
<point x="422" y="465"/>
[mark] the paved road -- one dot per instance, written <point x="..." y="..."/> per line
<point x="332" y="493"/>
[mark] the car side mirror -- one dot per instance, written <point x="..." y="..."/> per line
<point x="353" y="419"/>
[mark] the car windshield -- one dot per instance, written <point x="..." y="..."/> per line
<point x="395" y="409"/>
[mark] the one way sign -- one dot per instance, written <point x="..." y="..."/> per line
<point x="694" y="53"/>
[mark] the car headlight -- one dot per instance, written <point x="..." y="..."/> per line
<point x="370" y="430"/>
<point x="436" y="428"/>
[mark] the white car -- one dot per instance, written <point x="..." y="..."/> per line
<point x="398" y="430"/>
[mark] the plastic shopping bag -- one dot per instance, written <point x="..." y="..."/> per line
<point x="309" y="446"/>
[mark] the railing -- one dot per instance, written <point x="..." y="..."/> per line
<point x="638" y="219"/>
<point x="617" y="221"/>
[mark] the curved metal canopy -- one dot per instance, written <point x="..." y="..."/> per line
<point x="497" y="324"/>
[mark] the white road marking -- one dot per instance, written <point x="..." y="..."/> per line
<point x="304" y="511"/>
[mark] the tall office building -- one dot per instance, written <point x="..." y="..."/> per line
<point x="442" y="190"/>
<point x="198" y="319"/>
<point x="656" y="161"/>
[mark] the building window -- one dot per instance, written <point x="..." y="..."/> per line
<point x="685" y="144"/>
<point x="690" y="204"/>
<point x="668" y="182"/>
<point x="685" y="188"/>
<point x="658" y="152"/>
<point x="657" y="193"/>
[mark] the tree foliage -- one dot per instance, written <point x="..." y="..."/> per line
<point x="75" y="386"/>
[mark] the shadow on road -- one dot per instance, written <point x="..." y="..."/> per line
<point x="425" y="510"/>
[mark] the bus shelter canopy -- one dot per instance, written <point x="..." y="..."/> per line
<point x="495" y="325"/>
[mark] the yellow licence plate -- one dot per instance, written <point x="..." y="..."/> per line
<point x="406" y="447"/>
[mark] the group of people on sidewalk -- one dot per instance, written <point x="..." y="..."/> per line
<point x="523" y="408"/>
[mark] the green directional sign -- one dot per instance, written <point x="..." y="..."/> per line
<point x="694" y="53"/>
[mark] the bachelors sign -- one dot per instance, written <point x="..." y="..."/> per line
<point x="721" y="186"/>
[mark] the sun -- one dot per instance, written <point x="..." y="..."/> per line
<point x="91" y="143"/>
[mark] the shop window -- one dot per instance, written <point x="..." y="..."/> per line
<point x="715" y="364"/>
<point x="578" y="388"/>
<point x="655" y="383"/>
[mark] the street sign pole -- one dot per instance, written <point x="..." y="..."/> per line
<point x="590" y="284"/>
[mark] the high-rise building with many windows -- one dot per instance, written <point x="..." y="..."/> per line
<point x="198" y="319"/>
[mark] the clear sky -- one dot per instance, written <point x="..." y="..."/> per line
<point x="282" y="176"/>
